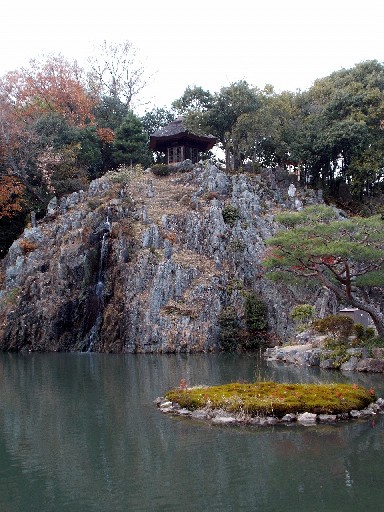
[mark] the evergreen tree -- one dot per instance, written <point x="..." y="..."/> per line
<point x="344" y="255"/>
<point x="130" y="145"/>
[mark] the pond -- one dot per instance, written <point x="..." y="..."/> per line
<point x="79" y="432"/>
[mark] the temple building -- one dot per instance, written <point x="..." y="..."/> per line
<point x="179" y="144"/>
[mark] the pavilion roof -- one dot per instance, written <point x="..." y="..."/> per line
<point x="177" y="132"/>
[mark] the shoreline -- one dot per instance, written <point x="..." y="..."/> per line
<point x="355" y="359"/>
<point x="221" y="417"/>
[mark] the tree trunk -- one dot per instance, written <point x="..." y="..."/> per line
<point x="227" y="159"/>
<point x="373" y="311"/>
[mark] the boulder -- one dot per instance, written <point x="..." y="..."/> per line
<point x="200" y="414"/>
<point x="327" y="418"/>
<point x="258" y="421"/>
<point x="223" y="420"/>
<point x="327" y="364"/>
<point x="289" y="418"/>
<point x="165" y="405"/>
<point x="370" y="365"/>
<point x="184" y="412"/>
<point x="307" y="418"/>
<point x="378" y="352"/>
<point x="350" y="365"/>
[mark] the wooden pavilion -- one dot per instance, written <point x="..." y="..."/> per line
<point x="179" y="144"/>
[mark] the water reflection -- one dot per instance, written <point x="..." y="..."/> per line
<point x="80" y="432"/>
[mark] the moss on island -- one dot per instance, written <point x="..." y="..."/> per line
<point x="274" y="399"/>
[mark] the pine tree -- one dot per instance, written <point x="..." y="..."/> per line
<point x="130" y="146"/>
<point x="344" y="255"/>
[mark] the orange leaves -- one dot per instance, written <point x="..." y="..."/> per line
<point x="11" y="196"/>
<point x="55" y="85"/>
<point x="106" y="135"/>
<point x="51" y="86"/>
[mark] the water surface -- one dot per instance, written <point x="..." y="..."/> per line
<point x="79" y="432"/>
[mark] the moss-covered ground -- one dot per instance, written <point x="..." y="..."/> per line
<point x="271" y="398"/>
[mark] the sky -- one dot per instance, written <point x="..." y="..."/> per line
<point x="288" y="44"/>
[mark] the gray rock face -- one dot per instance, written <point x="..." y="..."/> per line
<point x="350" y="365"/>
<point x="143" y="266"/>
<point x="378" y="353"/>
<point x="370" y="365"/>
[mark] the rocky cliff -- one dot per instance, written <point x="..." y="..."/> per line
<point x="144" y="263"/>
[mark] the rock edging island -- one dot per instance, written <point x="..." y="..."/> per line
<point x="269" y="403"/>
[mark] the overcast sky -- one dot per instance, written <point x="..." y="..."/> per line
<point x="285" y="43"/>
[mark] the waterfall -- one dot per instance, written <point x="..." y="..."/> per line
<point x="99" y="287"/>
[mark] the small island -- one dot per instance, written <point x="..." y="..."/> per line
<point x="269" y="403"/>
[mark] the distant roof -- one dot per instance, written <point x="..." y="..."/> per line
<point x="177" y="132"/>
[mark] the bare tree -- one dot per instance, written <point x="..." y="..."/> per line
<point x="117" y="72"/>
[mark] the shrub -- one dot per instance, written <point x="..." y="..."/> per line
<point x="338" y="327"/>
<point x="370" y="333"/>
<point x="302" y="313"/>
<point x="232" y="336"/>
<point x="230" y="214"/>
<point x="161" y="170"/>
<point x="256" y="313"/>
<point x="338" y="352"/>
<point x="229" y="325"/>
<point x="371" y="341"/>
<point x="123" y="174"/>
<point x="364" y="336"/>
<point x="359" y="331"/>
<point x="256" y="318"/>
<point x="238" y="245"/>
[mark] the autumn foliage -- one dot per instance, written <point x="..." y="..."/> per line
<point x="11" y="196"/>
<point x="52" y="86"/>
<point x="106" y="135"/>
<point x="59" y="129"/>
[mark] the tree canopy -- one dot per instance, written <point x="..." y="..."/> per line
<point x="346" y="255"/>
<point x="332" y="133"/>
<point x="59" y="128"/>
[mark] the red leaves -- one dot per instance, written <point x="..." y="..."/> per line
<point x="328" y="260"/>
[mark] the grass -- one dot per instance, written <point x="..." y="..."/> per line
<point x="271" y="398"/>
